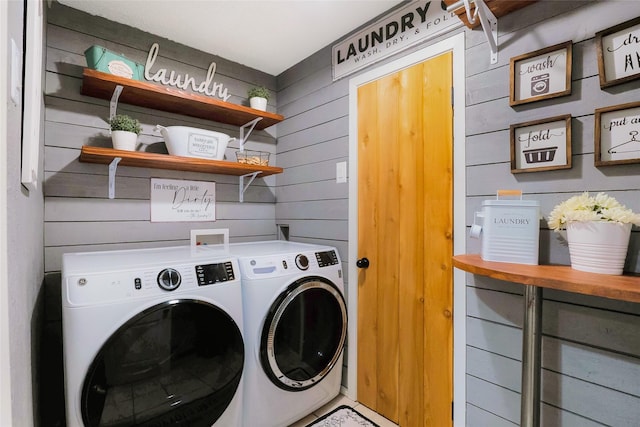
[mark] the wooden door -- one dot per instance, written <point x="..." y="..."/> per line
<point x="405" y="223"/>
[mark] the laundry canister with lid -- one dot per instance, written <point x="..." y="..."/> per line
<point x="510" y="229"/>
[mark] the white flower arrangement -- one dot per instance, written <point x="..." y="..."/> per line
<point x="585" y="208"/>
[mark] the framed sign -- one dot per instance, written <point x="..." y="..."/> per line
<point x="619" y="53"/>
<point x="541" y="145"/>
<point x="177" y="200"/>
<point x="617" y="133"/>
<point x="543" y="74"/>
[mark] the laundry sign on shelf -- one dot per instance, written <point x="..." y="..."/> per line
<point x="208" y="86"/>
<point x="178" y="200"/>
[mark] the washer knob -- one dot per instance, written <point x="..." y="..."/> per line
<point x="302" y="262"/>
<point x="169" y="279"/>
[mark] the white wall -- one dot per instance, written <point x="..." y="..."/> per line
<point x="25" y="260"/>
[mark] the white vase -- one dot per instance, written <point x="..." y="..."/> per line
<point x="598" y="247"/>
<point x="123" y="140"/>
<point x="258" y="103"/>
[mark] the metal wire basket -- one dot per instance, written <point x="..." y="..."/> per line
<point x="257" y="158"/>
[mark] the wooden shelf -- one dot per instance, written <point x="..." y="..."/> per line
<point x="561" y="277"/>
<point x="166" y="98"/>
<point x="498" y="8"/>
<point x="142" y="159"/>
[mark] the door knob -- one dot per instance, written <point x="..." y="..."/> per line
<point x="362" y="263"/>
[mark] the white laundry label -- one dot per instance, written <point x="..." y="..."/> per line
<point x="203" y="145"/>
<point x="119" y="68"/>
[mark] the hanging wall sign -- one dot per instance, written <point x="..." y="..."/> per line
<point x="412" y="24"/>
<point x="176" y="200"/>
<point x="617" y="135"/>
<point x="539" y="75"/>
<point x="619" y="53"/>
<point x="206" y="87"/>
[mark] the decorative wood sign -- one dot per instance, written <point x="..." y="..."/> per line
<point x="619" y="53"/>
<point x="207" y="87"/>
<point x="541" y="145"/>
<point x="178" y="200"/>
<point x="543" y="74"/>
<point x="617" y="133"/>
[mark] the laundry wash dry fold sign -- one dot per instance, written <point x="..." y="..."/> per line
<point x="416" y="22"/>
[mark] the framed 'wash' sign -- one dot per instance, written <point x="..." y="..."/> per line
<point x="617" y="135"/>
<point x="541" y="145"/>
<point x="543" y="74"/>
<point x="619" y="53"/>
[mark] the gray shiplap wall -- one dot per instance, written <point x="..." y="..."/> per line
<point x="78" y="214"/>
<point x="591" y="349"/>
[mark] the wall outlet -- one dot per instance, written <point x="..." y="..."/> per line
<point x="341" y="172"/>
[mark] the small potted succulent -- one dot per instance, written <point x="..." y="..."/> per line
<point x="124" y="132"/>
<point x="258" y="97"/>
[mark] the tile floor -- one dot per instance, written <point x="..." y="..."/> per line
<point x="344" y="400"/>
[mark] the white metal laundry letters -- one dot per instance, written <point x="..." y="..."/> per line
<point x="208" y="86"/>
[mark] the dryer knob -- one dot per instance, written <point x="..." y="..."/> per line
<point x="169" y="279"/>
<point x="302" y="262"/>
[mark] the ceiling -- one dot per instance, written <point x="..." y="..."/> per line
<point x="268" y="35"/>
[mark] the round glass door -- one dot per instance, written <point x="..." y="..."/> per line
<point x="304" y="334"/>
<point x="178" y="363"/>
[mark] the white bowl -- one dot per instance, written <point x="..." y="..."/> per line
<point x="193" y="142"/>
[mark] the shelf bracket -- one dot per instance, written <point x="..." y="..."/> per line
<point x="113" y="167"/>
<point x="488" y="21"/>
<point x="244" y="138"/>
<point x="113" y="105"/>
<point x="244" y="187"/>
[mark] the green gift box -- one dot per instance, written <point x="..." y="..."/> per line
<point x="102" y="59"/>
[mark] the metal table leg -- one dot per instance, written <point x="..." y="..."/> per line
<point x="531" y="347"/>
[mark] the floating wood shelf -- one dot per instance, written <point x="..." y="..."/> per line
<point x="498" y="8"/>
<point x="165" y="98"/>
<point x="142" y="159"/>
<point x="561" y="277"/>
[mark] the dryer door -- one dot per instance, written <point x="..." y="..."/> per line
<point x="303" y="334"/>
<point x="178" y="363"/>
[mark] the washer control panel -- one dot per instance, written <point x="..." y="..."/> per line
<point x="326" y="258"/>
<point x="209" y="274"/>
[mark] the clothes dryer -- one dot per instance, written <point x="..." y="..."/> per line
<point x="295" y="321"/>
<point x="152" y="337"/>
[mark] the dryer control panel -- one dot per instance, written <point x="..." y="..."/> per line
<point x="212" y="273"/>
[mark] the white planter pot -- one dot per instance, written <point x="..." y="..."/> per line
<point x="598" y="247"/>
<point x="258" y="103"/>
<point x="123" y="140"/>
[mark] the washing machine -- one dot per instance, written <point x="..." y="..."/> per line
<point x="295" y="321"/>
<point x="152" y="337"/>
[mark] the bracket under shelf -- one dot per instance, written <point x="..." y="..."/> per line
<point x="242" y="187"/>
<point x="488" y="21"/>
<point x="113" y="167"/>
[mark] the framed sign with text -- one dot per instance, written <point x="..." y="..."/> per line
<point x="619" y="53"/>
<point x="543" y="74"/>
<point x="617" y="134"/>
<point x="541" y="145"/>
<point x="178" y="200"/>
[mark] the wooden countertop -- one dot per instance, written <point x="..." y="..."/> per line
<point x="561" y="277"/>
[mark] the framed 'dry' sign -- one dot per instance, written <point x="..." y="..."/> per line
<point x="617" y="133"/>
<point x="619" y="53"/>
<point x="543" y="74"/>
<point x="541" y="145"/>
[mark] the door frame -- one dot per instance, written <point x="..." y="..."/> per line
<point x="454" y="44"/>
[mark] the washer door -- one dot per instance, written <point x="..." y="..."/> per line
<point x="178" y="363"/>
<point x="303" y="334"/>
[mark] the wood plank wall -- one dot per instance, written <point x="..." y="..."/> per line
<point x="591" y="346"/>
<point x="78" y="213"/>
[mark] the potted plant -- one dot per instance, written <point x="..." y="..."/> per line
<point x="124" y="132"/>
<point x="598" y="231"/>
<point x="258" y="97"/>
